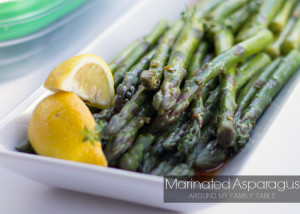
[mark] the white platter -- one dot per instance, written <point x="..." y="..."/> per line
<point x="131" y="186"/>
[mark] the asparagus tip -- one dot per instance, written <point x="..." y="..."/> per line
<point x="226" y="135"/>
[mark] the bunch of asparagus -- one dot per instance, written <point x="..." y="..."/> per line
<point x="188" y="95"/>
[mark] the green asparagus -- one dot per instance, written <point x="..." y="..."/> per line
<point x="202" y="135"/>
<point x="210" y="70"/>
<point x="210" y="104"/>
<point x="247" y="70"/>
<point x="132" y="158"/>
<point x="131" y="80"/>
<point x="267" y="11"/>
<point x="282" y="17"/>
<point x="251" y="66"/>
<point x="292" y="41"/>
<point x="192" y="134"/>
<point x="171" y="141"/>
<point x="165" y="166"/>
<point x="180" y="57"/>
<point x="265" y="95"/>
<point x="105" y="114"/>
<point x="116" y="62"/>
<point x="207" y="134"/>
<point x="151" y="157"/>
<point x="120" y="120"/>
<point x="257" y="81"/>
<point x="149" y="162"/>
<point x="140" y="50"/>
<point x="239" y="17"/>
<point x="125" y="137"/>
<point x="172" y="135"/>
<point x="226" y="132"/>
<point x="151" y="78"/>
<point x="274" y="49"/>
<point x="226" y="8"/>
<point x="181" y="170"/>
<point x="189" y="139"/>
<point x="210" y="156"/>
<point x="197" y="58"/>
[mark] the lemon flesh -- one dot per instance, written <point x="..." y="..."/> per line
<point x="56" y="130"/>
<point x="88" y="76"/>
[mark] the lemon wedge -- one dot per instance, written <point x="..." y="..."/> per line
<point x="86" y="75"/>
<point x="62" y="126"/>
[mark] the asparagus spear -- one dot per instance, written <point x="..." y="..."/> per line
<point x="223" y="39"/>
<point x="116" y="62"/>
<point x="125" y="137"/>
<point x="197" y="58"/>
<point x="265" y="95"/>
<point x="210" y="156"/>
<point x="247" y="70"/>
<point x="187" y="167"/>
<point x="180" y="57"/>
<point x="252" y="87"/>
<point x="131" y="80"/>
<point x="251" y="66"/>
<point x="210" y="104"/>
<point x="198" y="111"/>
<point x="274" y="49"/>
<point x="226" y="132"/>
<point x="192" y="132"/>
<point x="181" y="170"/>
<point x="199" y="114"/>
<point x="170" y="143"/>
<point x="267" y="11"/>
<point x="105" y="114"/>
<point x="140" y="50"/>
<point x="151" y="157"/>
<point x="175" y="72"/>
<point x="151" y="78"/>
<point x="149" y="162"/>
<point x="282" y="17"/>
<point x="226" y="8"/>
<point x="120" y="120"/>
<point x="173" y="135"/>
<point x="235" y="21"/>
<point x="220" y="63"/>
<point x="207" y="133"/>
<point x="189" y="139"/>
<point x="198" y="105"/>
<point x="210" y="86"/>
<point x="210" y="70"/>
<point x="292" y="41"/>
<point x="132" y="158"/>
<point x="163" y="167"/>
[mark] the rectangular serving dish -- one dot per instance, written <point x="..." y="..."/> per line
<point x="132" y="186"/>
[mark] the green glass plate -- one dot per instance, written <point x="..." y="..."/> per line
<point x="23" y="17"/>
